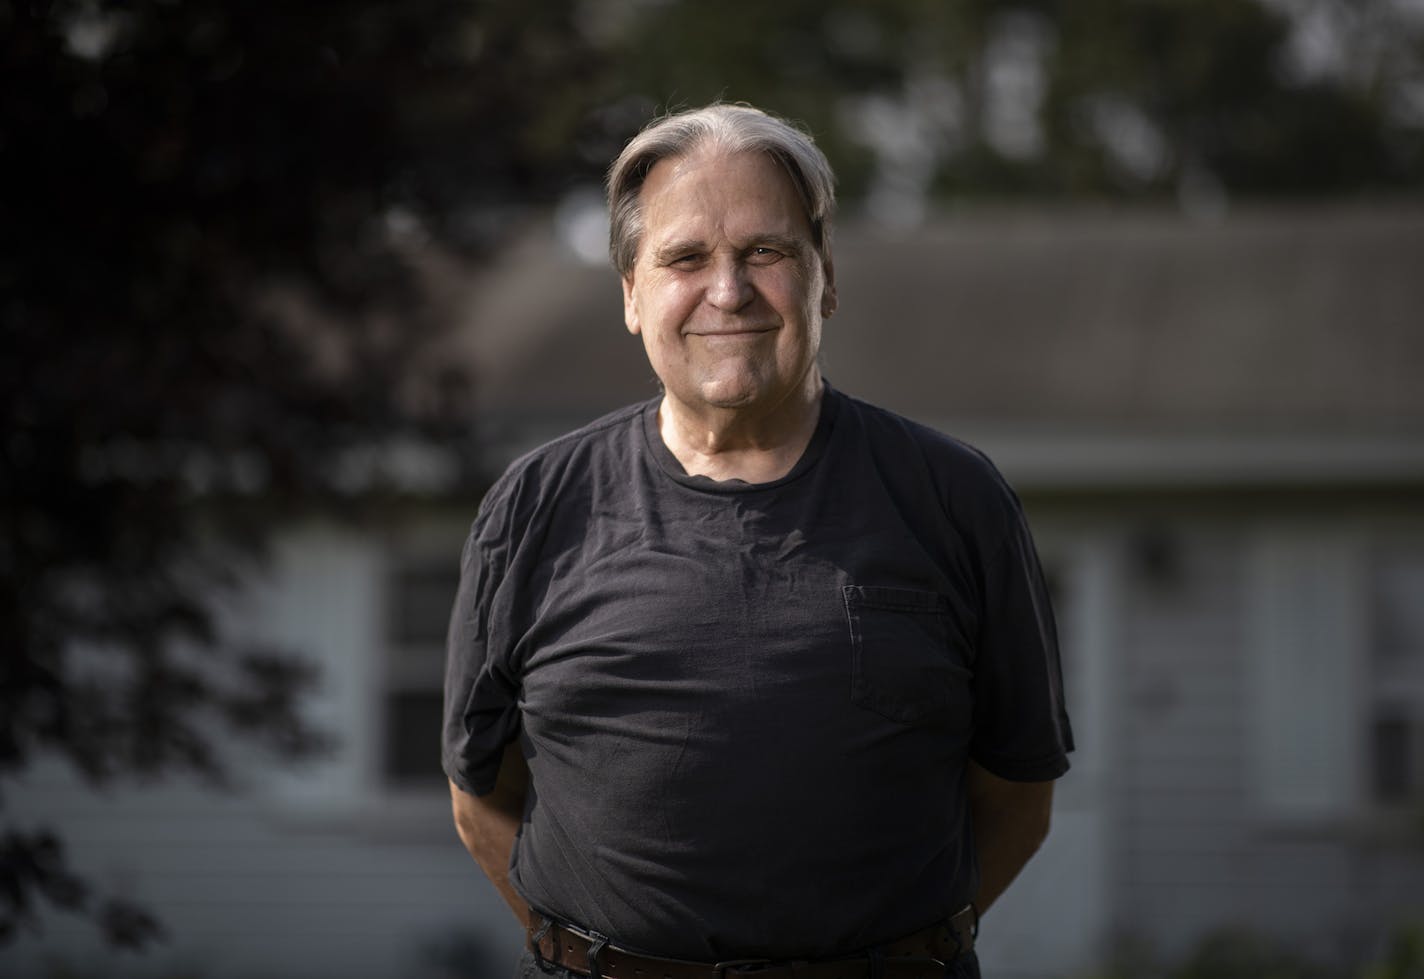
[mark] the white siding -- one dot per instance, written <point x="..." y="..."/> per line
<point x="1306" y="646"/>
<point x="247" y="894"/>
<point x="305" y="873"/>
<point x="1239" y="803"/>
<point x="1055" y="919"/>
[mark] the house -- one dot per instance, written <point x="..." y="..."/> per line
<point x="1218" y="432"/>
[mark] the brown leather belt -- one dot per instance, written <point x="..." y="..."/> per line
<point x="922" y="955"/>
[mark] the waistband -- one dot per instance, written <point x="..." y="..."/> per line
<point x="924" y="954"/>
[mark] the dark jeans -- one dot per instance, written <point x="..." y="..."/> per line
<point x="964" y="967"/>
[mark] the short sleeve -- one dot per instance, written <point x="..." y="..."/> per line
<point x="481" y="690"/>
<point x="1021" y="728"/>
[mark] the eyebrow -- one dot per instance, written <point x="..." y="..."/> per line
<point x="790" y="244"/>
<point x="673" y="250"/>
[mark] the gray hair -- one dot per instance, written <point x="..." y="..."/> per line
<point x="730" y="129"/>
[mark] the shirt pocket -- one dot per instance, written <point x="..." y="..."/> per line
<point x="904" y="664"/>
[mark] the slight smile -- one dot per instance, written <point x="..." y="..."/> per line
<point x="731" y="333"/>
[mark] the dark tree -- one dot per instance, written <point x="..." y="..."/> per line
<point x="1215" y="81"/>
<point x="208" y="300"/>
<point x="1130" y="99"/>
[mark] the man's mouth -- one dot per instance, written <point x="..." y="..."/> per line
<point x="738" y="331"/>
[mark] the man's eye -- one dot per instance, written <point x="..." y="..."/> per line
<point x="762" y="255"/>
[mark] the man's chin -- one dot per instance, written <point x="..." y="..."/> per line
<point x="752" y="395"/>
<point x="737" y="389"/>
<point x="731" y="397"/>
<point x="719" y="394"/>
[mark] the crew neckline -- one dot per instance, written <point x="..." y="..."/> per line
<point x="671" y="467"/>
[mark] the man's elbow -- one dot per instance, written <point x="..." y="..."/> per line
<point x="464" y="826"/>
<point x="463" y="808"/>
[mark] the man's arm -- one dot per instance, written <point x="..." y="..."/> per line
<point x="1010" y="822"/>
<point x="488" y="824"/>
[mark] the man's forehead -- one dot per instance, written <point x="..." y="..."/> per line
<point x="710" y="161"/>
<point x="714" y="192"/>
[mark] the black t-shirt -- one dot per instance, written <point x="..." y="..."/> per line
<point x="747" y="708"/>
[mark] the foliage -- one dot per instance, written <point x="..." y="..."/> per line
<point x="1234" y="953"/>
<point x="180" y="177"/>
<point x="1404" y="959"/>
<point x="1057" y="98"/>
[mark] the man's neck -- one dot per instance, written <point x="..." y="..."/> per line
<point x="753" y="447"/>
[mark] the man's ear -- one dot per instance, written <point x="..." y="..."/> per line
<point x="630" y="308"/>
<point x="829" y="300"/>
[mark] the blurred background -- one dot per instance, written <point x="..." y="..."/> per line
<point x="283" y="286"/>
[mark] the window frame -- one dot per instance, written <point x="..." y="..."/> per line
<point x="413" y="664"/>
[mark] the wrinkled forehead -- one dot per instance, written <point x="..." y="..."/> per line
<point x="712" y="191"/>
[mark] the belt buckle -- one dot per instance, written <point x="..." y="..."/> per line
<point x="739" y="967"/>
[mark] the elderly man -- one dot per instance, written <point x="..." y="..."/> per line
<point x="754" y="678"/>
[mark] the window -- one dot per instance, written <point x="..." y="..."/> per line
<point x="1396" y="688"/>
<point x="421" y="592"/>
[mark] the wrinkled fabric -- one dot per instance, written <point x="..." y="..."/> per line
<point x="747" y="710"/>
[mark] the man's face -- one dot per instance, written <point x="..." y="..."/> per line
<point x="728" y="290"/>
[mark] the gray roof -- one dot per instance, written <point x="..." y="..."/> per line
<point x="1299" y="328"/>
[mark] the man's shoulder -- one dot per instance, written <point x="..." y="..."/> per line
<point x="895" y="434"/>
<point x="583" y="448"/>
<point x="560" y="470"/>
<point x="919" y="462"/>
<point x="609" y="431"/>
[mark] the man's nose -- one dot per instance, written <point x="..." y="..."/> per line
<point x="730" y="288"/>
